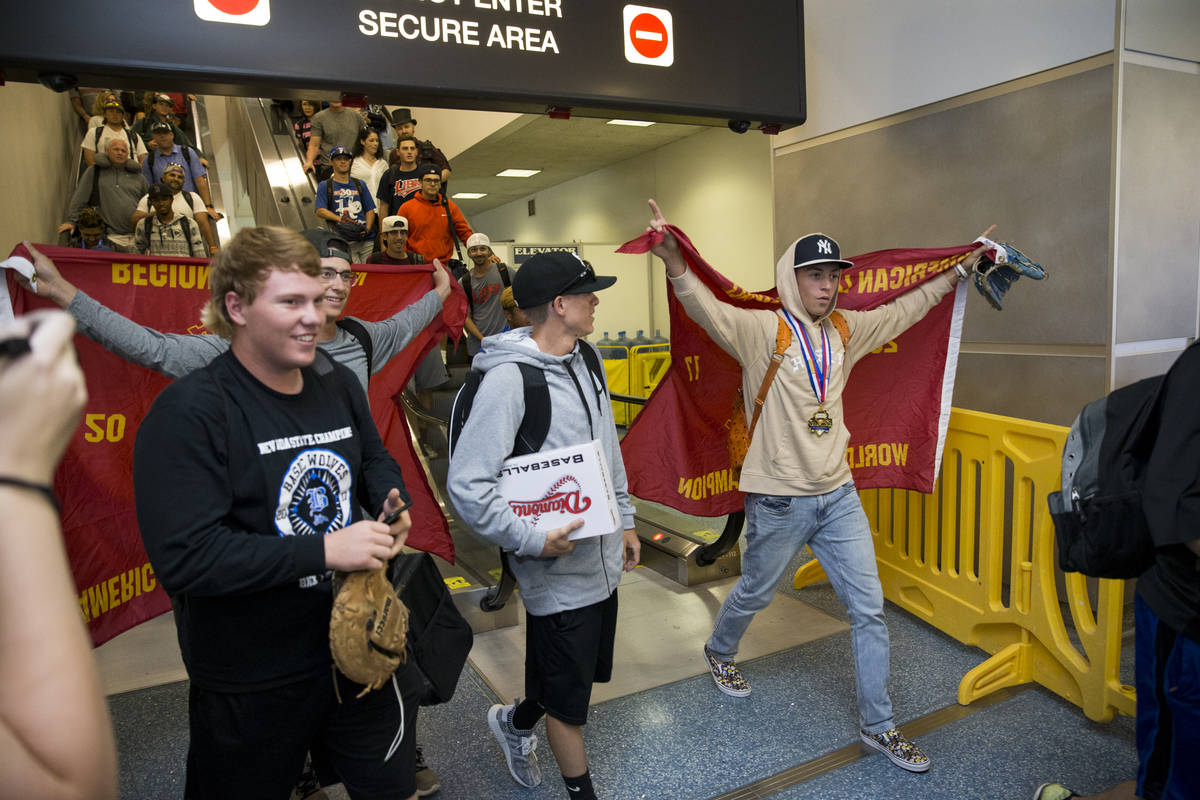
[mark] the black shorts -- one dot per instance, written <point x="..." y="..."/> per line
<point x="252" y="744"/>
<point x="565" y="653"/>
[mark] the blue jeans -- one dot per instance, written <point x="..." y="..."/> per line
<point x="1167" y="666"/>
<point x="835" y="527"/>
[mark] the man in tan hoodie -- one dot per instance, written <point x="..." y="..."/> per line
<point x="797" y="483"/>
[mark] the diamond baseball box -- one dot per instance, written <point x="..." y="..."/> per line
<point x="554" y="487"/>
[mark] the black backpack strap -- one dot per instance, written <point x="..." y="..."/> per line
<point x="96" y="141"/>
<point x="470" y="296"/>
<point x="450" y="225"/>
<point x="503" y="268"/>
<point x="150" y="161"/>
<point x="329" y="193"/>
<point x="536" y="423"/>
<point x="187" y="233"/>
<point x="595" y="367"/>
<point x="359" y="331"/>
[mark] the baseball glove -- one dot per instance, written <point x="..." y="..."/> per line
<point x="351" y="230"/>
<point x="368" y="627"/>
<point x="999" y="268"/>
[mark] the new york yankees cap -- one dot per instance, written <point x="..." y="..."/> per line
<point x="817" y="248"/>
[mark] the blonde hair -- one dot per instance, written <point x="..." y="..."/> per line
<point x="507" y="301"/>
<point x="101" y="99"/>
<point x="242" y="266"/>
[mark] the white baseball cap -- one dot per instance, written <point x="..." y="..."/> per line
<point x="395" y="223"/>
<point x="478" y="240"/>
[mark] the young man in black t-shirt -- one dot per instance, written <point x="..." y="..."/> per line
<point x="249" y="477"/>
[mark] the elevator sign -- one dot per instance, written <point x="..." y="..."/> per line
<point x="649" y="37"/>
<point x="668" y="62"/>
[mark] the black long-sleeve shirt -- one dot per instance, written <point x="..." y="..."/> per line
<point x="235" y="485"/>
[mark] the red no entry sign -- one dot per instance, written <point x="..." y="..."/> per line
<point x="649" y="36"/>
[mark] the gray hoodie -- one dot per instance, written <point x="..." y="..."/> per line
<point x="120" y="189"/>
<point x="591" y="572"/>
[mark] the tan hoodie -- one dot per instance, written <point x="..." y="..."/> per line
<point x="785" y="458"/>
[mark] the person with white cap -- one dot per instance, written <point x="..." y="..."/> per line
<point x="483" y="284"/>
<point x="395" y="244"/>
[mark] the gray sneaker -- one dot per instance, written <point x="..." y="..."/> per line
<point x="519" y="750"/>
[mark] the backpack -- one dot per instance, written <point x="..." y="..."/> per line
<point x="466" y="284"/>
<point x="1100" y="527"/>
<point x="536" y="423"/>
<point x="184" y="223"/>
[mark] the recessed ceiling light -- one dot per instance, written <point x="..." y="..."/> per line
<point x="468" y="195"/>
<point x="517" y="173"/>
<point x="635" y="123"/>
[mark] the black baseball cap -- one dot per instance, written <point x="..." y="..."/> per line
<point x="817" y="248"/>
<point x="328" y="244"/>
<point x="160" y="127"/>
<point x="549" y="275"/>
<point x="160" y="190"/>
<point x="430" y="169"/>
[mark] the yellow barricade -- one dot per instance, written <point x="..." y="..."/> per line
<point x="647" y="365"/>
<point x="975" y="559"/>
<point x="616" y="372"/>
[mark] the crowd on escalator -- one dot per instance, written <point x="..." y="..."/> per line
<point x="143" y="187"/>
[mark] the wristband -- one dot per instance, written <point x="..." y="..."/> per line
<point x="41" y="488"/>
<point x="961" y="270"/>
<point x="209" y="205"/>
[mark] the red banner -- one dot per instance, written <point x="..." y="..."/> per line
<point x="116" y="585"/>
<point x="896" y="402"/>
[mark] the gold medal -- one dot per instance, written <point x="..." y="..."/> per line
<point x="820" y="423"/>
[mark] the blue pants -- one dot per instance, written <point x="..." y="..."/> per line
<point x="1167" y="667"/>
<point x="835" y="527"/>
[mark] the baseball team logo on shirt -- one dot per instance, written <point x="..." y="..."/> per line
<point x="314" y="498"/>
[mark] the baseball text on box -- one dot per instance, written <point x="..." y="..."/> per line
<point x="551" y="488"/>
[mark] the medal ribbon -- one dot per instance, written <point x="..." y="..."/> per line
<point x="818" y="370"/>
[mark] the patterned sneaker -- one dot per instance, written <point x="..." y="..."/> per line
<point x="726" y="675"/>
<point x="1053" y="791"/>
<point x="519" y="751"/>
<point x="427" y="779"/>
<point x="903" y="753"/>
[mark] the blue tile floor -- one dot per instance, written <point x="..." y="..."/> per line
<point x="686" y="740"/>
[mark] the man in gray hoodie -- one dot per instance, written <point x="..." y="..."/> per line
<point x="569" y="587"/>
<point x="114" y="184"/>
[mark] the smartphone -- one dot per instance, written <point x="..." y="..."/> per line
<point x="391" y="518"/>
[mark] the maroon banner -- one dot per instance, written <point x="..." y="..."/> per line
<point x="116" y="584"/>
<point x="896" y="401"/>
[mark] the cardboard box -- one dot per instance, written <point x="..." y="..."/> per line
<point x="554" y="487"/>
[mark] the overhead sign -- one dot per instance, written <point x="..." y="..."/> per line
<point x="523" y="252"/>
<point x="596" y="57"/>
